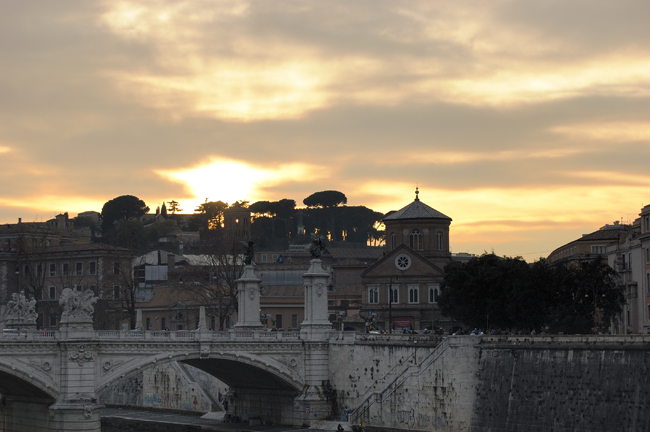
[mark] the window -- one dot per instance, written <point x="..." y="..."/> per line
<point x="26" y="271"/>
<point x="79" y="269"/>
<point x="600" y="250"/>
<point x="415" y="239"/>
<point x="278" y="321"/>
<point x="392" y="241"/>
<point x="163" y="322"/>
<point x="275" y="257"/>
<point x="65" y="269"/>
<point x="52" y="270"/>
<point x="52" y="293"/>
<point x="92" y="269"/>
<point x="647" y="282"/>
<point x="116" y="292"/>
<point x="116" y="268"/>
<point x="39" y="293"/>
<point x="393" y="294"/>
<point x="647" y="255"/>
<point x="433" y="293"/>
<point x="148" y="325"/>
<point x="414" y="294"/>
<point x="294" y="321"/>
<point x="439" y="241"/>
<point x="263" y="257"/>
<point x="79" y="288"/>
<point x="373" y="295"/>
<point x="52" y="320"/>
<point x="92" y="288"/>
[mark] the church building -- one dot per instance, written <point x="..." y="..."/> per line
<point x="403" y="286"/>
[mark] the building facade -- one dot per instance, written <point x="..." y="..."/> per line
<point x="402" y="287"/>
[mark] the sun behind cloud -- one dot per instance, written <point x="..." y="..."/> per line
<point x="230" y="180"/>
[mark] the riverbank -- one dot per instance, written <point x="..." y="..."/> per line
<point x="129" y="420"/>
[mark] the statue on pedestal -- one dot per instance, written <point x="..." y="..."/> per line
<point x="77" y="306"/>
<point x="317" y="247"/>
<point x="19" y="310"/>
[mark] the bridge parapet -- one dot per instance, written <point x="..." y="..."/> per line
<point x="562" y="339"/>
<point x="138" y="335"/>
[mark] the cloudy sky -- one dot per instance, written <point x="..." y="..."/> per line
<point x="526" y="122"/>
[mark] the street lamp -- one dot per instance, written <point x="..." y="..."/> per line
<point x="390" y="305"/>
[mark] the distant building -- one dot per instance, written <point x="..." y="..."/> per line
<point x="42" y="262"/>
<point x="630" y="257"/>
<point x="402" y="288"/>
<point x="590" y="246"/>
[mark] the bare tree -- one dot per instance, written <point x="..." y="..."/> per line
<point x="118" y="293"/>
<point x="222" y="264"/>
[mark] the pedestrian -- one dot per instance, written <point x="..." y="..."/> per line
<point x="339" y="428"/>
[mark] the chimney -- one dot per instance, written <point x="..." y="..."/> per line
<point x="20" y="220"/>
<point x="171" y="261"/>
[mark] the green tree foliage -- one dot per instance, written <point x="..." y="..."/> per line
<point x="327" y="202"/>
<point x="325" y="199"/>
<point x="272" y="222"/>
<point x="510" y="293"/>
<point x="173" y="207"/>
<point x="208" y="216"/>
<point x="131" y="235"/>
<point x="121" y="208"/>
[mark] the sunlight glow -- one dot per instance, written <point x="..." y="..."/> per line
<point x="502" y="215"/>
<point x="230" y="180"/>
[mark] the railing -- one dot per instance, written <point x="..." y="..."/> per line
<point x="139" y="335"/>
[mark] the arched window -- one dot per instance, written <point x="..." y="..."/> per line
<point x="433" y="293"/>
<point x="415" y="239"/>
<point x="373" y="295"/>
<point x="414" y="294"/>
<point x="439" y="241"/>
<point x="393" y="294"/>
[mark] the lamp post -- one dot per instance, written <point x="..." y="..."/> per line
<point x="390" y="305"/>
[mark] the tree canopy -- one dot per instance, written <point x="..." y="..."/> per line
<point x="121" y="208"/>
<point x="325" y="199"/>
<point x="510" y="293"/>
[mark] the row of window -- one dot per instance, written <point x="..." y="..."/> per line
<point x="64" y="269"/>
<point x="416" y="241"/>
<point x="413" y="294"/>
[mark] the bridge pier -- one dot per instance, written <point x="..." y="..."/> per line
<point x="312" y="404"/>
<point x="29" y="414"/>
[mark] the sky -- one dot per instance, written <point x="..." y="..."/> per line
<point x="526" y="122"/>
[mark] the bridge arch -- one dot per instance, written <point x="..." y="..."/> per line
<point x="232" y="368"/>
<point x="26" y="381"/>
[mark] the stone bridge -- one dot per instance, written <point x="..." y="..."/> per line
<point x="52" y="380"/>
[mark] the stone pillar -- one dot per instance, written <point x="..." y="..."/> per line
<point x="138" y="320"/>
<point x="248" y="291"/>
<point x="313" y="404"/>
<point x="316" y="325"/>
